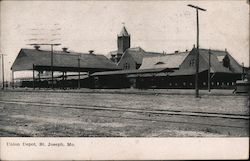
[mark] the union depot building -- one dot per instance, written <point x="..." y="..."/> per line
<point x="127" y="67"/>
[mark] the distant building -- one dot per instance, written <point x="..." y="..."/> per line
<point x="130" y="67"/>
<point x="128" y="58"/>
<point x="123" y="42"/>
<point x="177" y="70"/>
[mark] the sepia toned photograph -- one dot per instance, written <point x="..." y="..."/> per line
<point x="144" y="69"/>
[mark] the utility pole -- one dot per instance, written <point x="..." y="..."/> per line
<point x="33" y="76"/>
<point x="13" y="80"/>
<point x="209" y="66"/>
<point x="3" y="70"/>
<point x="243" y="72"/>
<point x="79" y="79"/>
<point x="197" y="51"/>
<point x="51" y="67"/>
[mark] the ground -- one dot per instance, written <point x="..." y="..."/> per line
<point x="130" y="113"/>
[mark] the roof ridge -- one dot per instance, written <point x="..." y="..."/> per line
<point x="72" y="53"/>
<point x="213" y="50"/>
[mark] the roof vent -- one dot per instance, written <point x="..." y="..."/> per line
<point x="176" y="51"/>
<point x="91" y="51"/>
<point x="65" y="50"/>
<point x="37" y="47"/>
<point x="186" y="50"/>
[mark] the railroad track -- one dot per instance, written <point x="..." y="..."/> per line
<point x="241" y="125"/>
<point x="121" y="109"/>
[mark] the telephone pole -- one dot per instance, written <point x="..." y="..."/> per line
<point x="3" y="69"/>
<point x="197" y="50"/>
<point x="79" y="72"/>
<point x="209" y="71"/>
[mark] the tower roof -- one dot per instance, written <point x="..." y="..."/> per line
<point x="124" y="32"/>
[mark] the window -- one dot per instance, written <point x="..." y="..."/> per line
<point x="226" y="61"/>
<point x="192" y="62"/>
<point x="126" y="66"/>
<point x="184" y="83"/>
<point x="137" y="65"/>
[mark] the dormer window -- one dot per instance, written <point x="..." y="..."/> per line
<point x="158" y="63"/>
<point x="226" y="61"/>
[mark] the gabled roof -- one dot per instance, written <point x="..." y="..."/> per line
<point x="137" y="53"/>
<point x="217" y="63"/>
<point x="27" y="57"/>
<point x="164" y="61"/>
<point x="124" y="32"/>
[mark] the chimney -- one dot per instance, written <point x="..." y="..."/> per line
<point x="37" y="47"/>
<point x="112" y="58"/>
<point x="193" y="45"/>
<point x="225" y="49"/>
<point x="91" y="51"/>
<point x="65" y="50"/>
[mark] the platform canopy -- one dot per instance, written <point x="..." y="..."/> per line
<point x="29" y="59"/>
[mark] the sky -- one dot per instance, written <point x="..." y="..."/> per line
<point x="153" y="25"/>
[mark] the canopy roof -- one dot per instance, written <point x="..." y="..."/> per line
<point x="134" y="71"/>
<point x="62" y="61"/>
